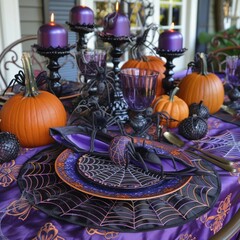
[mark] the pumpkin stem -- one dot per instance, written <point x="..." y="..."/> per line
<point x="200" y="104"/>
<point x="173" y="93"/>
<point x="31" y="89"/>
<point x="203" y="63"/>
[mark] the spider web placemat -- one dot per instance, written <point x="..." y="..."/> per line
<point x="42" y="187"/>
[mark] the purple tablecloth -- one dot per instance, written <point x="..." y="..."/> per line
<point x="20" y="220"/>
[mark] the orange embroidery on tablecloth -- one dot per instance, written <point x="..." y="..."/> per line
<point x="186" y="236"/>
<point x="19" y="208"/>
<point x="175" y="152"/>
<point x="107" y="234"/>
<point x="8" y="173"/>
<point x="215" y="222"/>
<point x="48" y="232"/>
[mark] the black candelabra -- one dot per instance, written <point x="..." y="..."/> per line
<point x="82" y="30"/>
<point x="119" y="106"/>
<point x="53" y="54"/>
<point x="168" y="81"/>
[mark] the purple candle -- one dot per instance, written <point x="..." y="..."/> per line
<point x="170" y="40"/>
<point x="117" y="24"/>
<point x="52" y="35"/>
<point x="81" y="15"/>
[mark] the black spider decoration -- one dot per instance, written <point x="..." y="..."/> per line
<point x="154" y="120"/>
<point x="123" y="150"/>
<point x="95" y="118"/>
<point x="18" y="78"/>
<point x="142" y="42"/>
<point x="100" y="85"/>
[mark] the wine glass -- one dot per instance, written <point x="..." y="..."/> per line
<point x="233" y="79"/>
<point x="138" y="87"/>
<point x="89" y="61"/>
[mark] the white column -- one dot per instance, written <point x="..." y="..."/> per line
<point x="190" y="30"/>
<point x="9" y="30"/>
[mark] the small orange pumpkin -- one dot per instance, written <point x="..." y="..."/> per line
<point x="29" y="115"/>
<point x="174" y="106"/>
<point x="202" y="86"/>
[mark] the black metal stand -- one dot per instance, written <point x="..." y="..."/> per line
<point x="119" y="106"/>
<point x="168" y="81"/>
<point x="82" y="30"/>
<point x="53" y="54"/>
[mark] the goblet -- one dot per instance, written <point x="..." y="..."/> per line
<point x="233" y="79"/>
<point x="89" y="61"/>
<point x="138" y="87"/>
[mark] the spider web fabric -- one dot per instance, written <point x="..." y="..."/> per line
<point x="226" y="144"/>
<point x="42" y="187"/>
<point x="104" y="172"/>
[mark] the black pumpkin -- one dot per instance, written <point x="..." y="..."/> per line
<point x="193" y="127"/>
<point x="199" y="109"/>
<point x="9" y="147"/>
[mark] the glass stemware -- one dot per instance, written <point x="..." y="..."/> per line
<point x="233" y="79"/>
<point x="139" y="87"/>
<point x="89" y="61"/>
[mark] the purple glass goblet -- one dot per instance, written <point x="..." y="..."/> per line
<point x="139" y="88"/>
<point x="89" y="62"/>
<point x="233" y="79"/>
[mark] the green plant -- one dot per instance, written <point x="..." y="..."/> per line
<point x="227" y="38"/>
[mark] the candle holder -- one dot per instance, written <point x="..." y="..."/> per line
<point x="119" y="106"/>
<point x="53" y="54"/>
<point x="168" y="81"/>
<point x="82" y="30"/>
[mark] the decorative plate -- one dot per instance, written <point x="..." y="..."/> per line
<point x="104" y="172"/>
<point x="66" y="168"/>
<point x="43" y="189"/>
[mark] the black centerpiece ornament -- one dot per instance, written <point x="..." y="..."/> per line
<point x="82" y="30"/>
<point x="170" y="46"/>
<point x="168" y="81"/>
<point x="119" y="106"/>
<point x="53" y="54"/>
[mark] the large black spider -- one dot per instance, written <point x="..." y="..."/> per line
<point x="95" y="118"/>
<point x="123" y="150"/>
<point x="99" y="84"/>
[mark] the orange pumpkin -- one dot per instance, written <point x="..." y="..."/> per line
<point x="152" y="63"/>
<point x="29" y="115"/>
<point x="172" y="105"/>
<point x="202" y="86"/>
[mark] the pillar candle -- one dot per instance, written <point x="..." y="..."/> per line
<point x="117" y="24"/>
<point x="170" y="40"/>
<point x="52" y="35"/>
<point x="81" y="15"/>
